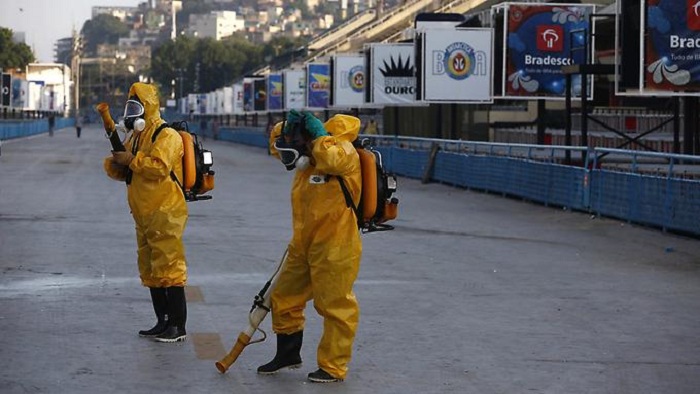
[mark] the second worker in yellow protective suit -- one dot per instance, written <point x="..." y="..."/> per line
<point x="149" y="165"/>
<point x="324" y="254"/>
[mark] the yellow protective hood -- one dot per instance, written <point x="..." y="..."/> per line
<point x="148" y="96"/>
<point x="342" y="127"/>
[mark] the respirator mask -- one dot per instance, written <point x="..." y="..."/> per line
<point x="292" y="146"/>
<point x="133" y="116"/>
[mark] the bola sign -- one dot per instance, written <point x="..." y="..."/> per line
<point x="456" y="65"/>
<point x="348" y="80"/>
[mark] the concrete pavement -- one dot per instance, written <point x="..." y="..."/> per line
<point x="472" y="293"/>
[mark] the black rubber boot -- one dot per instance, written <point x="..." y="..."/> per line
<point x="177" y="316"/>
<point x="159" y="299"/>
<point x="321" y="376"/>
<point x="288" y="353"/>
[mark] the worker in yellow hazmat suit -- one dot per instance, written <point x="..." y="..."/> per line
<point x="324" y="254"/>
<point x="158" y="207"/>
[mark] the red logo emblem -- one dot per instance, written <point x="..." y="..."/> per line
<point x="693" y="14"/>
<point x="550" y="38"/>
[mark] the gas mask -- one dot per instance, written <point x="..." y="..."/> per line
<point x="292" y="147"/>
<point x="133" y="116"/>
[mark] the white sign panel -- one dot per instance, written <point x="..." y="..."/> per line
<point x="238" y="99"/>
<point x="392" y="71"/>
<point x="456" y="65"/>
<point x="294" y="89"/>
<point x="348" y="80"/>
<point x="192" y="103"/>
<point x="227" y="101"/>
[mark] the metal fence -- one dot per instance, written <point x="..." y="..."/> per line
<point x="10" y="129"/>
<point x="648" y="188"/>
<point x="655" y="189"/>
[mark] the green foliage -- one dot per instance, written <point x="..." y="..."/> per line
<point x="203" y="65"/>
<point x="102" y="29"/>
<point x="13" y="55"/>
<point x="280" y="45"/>
<point x="301" y="6"/>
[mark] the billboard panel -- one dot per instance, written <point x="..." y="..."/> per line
<point x="319" y="86"/>
<point x="6" y="90"/>
<point x="238" y="99"/>
<point x="671" y="36"/>
<point x="539" y="40"/>
<point x="227" y="100"/>
<point x="274" y="92"/>
<point x="456" y="65"/>
<point x="294" y="92"/>
<point x="248" y="95"/>
<point x="348" y="80"/>
<point x="392" y="74"/>
<point x="260" y="94"/>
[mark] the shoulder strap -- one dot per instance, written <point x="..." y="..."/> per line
<point x="348" y="199"/>
<point x="172" y="174"/>
<point x="158" y="130"/>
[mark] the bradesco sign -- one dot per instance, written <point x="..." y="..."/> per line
<point x="671" y="37"/>
<point x="539" y="40"/>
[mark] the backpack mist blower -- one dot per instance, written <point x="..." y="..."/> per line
<point x="110" y="127"/>
<point x="258" y="312"/>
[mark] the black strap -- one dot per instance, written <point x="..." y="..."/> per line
<point x="134" y="150"/>
<point x="172" y="174"/>
<point x="348" y="200"/>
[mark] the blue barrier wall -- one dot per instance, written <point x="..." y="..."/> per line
<point x="536" y="173"/>
<point x="22" y="128"/>
<point x="670" y="201"/>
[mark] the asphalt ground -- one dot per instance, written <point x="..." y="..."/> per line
<point x="471" y="293"/>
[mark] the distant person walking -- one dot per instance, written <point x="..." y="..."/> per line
<point x="52" y="123"/>
<point x="78" y="125"/>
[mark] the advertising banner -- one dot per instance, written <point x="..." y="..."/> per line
<point x="238" y="99"/>
<point x="392" y="74"/>
<point x="202" y="103"/>
<point x="6" y="90"/>
<point x="248" y="95"/>
<point x="319" y="87"/>
<point x="192" y="107"/>
<point x="456" y="65"/>
<point x="540" y="40"/>
<point x="20" y="93"/>
<point x="348" y="80"/>
<point x="671" y="36"/>
<point x="275" y="91"/>
<point x="294" y="92"/>
<point x="210" y="101"/>
<point x="227" y="100"/>
<point x="260" y="99"/>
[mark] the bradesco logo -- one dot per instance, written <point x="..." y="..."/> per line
<point x="550" y="38"/>
<point x="693" y="14"/>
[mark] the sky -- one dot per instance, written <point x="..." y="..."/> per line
<point x="45" y="21"/>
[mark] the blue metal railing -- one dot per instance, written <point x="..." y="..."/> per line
<point x="656" y="189"/>
<point x="21" y="128"/>
<point x="665" y="199"/>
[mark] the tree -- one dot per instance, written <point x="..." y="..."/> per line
<point x="12" y="54"/>
<point x="103" y="29"/>
<point x="203" y="65"/>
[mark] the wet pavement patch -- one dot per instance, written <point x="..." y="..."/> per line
<point x="208" y="346"/>
<point x="194" y="294"/>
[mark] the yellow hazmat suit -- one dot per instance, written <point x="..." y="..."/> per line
<point x="156" y="201"/>
<point x="325" y="250"/>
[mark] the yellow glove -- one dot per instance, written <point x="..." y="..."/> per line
<point x="123" y="158"/>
